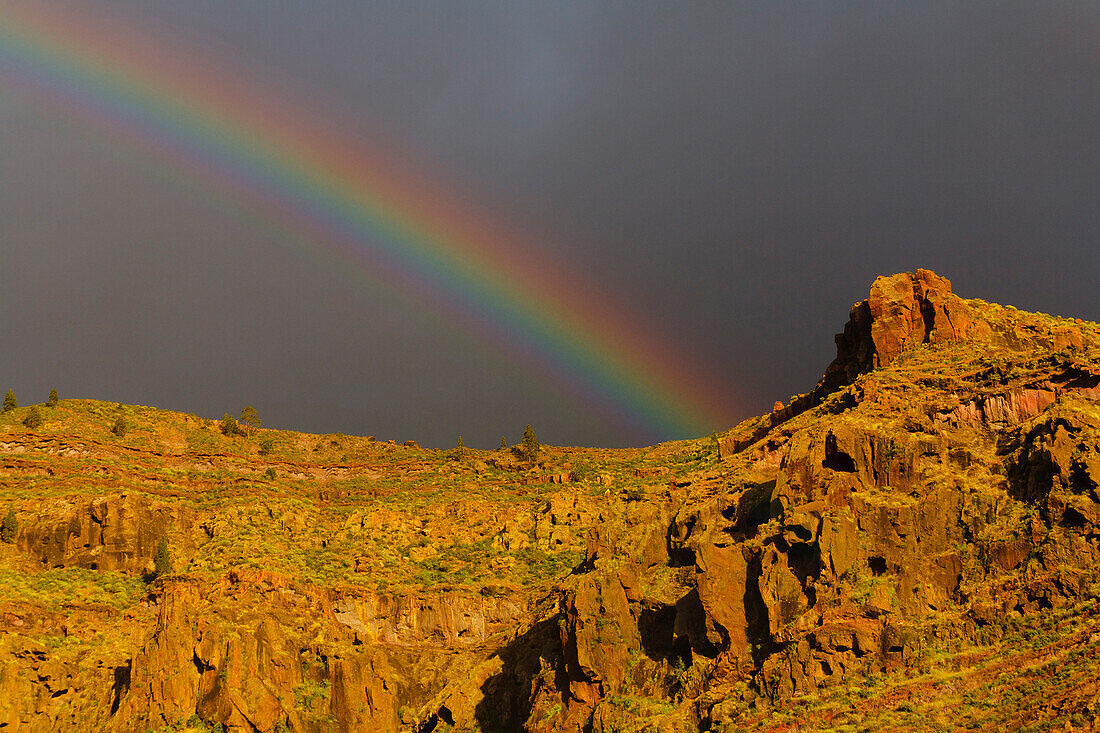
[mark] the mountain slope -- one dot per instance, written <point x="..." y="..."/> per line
<point x="911" y="545"/>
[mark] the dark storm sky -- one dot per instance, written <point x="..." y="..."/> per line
<point x="736" y="174"/>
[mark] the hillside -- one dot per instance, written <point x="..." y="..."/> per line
<point x="912" y="545"/>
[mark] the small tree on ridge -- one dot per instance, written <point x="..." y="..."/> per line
<point x="531" y="445"/>
<point x="9" y="401"/>
<point x="250" y="419"/>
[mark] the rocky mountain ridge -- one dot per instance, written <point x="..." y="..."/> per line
<point x="908" y="546"/>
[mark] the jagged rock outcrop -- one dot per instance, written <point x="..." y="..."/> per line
<point x="598" y="634"/>
<point x="243" y="656"/>
<point x="845" y="553"/>
<point x="902" y="310"/>
<point x="443" y="619"/>
<point x="115" y="532"/>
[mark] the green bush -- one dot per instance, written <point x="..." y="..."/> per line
<point x="33" y="419"/>
<point x="52" y="401"/>
<point x="198" y="724"/>
<point x="10" y="526"/>
<point x="229" y="426"/>
<point x="162" y="561"/>
<point x="10" y="402"/>
<point x="120" y="427"/>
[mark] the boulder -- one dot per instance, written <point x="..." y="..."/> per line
<point x="722" y="577"/>
<point x="598" y="636"/>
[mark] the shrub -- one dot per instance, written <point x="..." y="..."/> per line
<point x="9" y="527"/>
<point x="162" y="561"/>
<point x="266" y="446"/>
<point x="52" y="401"/>
<point x="120" y="427"/>
<point x="270" y="473"/>
<point x="9" y="401"/>
<point x="460" y="449"/>
<point x="503" y="442"/>
<point x="33" y="418"/>
<point x="580" y="473"/>
<point x="229" y="426"/>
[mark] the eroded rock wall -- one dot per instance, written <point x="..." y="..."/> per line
<point x="115" y="532"/>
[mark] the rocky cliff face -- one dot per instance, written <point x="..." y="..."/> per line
<point x="925" y="524"/>
<point x="938" y="485"/>
<point x="116" y="532"/>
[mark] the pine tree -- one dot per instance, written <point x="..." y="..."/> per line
<point x="9" y="401"/>
<point x="531" y="445"/>
<point x="120" y="427"/>
<point x="250" y="419"/>
<point x="162" y="561"/>
<point x="33" y="418"/>
<point x="460" y="449"/>
<point x="52" y="401"/>
<point x="9" y="527"/>
<point x="503" y="442"/>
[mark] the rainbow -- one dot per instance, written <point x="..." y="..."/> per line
<point x="353" y="204"/>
